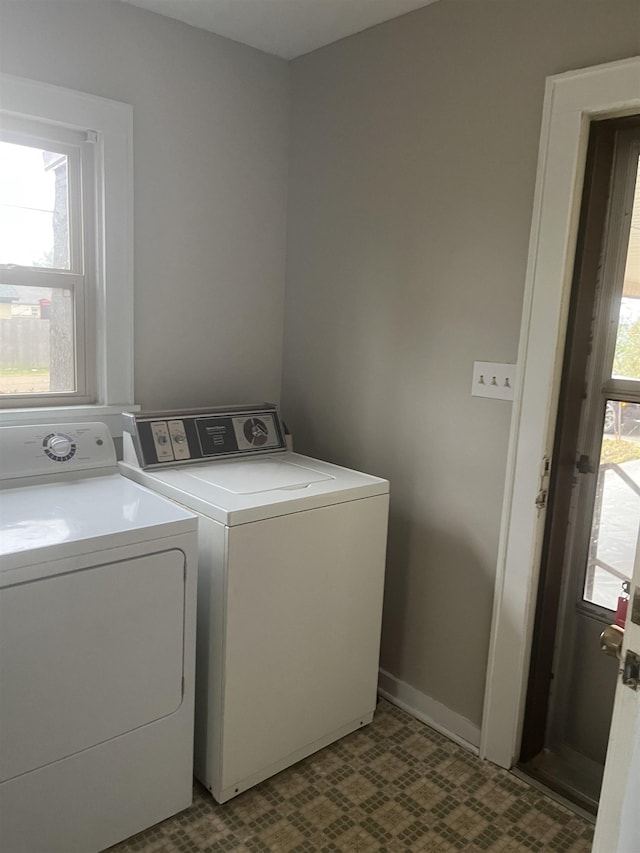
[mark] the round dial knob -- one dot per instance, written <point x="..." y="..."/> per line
<point x="255" y="431"/>
<point x="59" y="446"/>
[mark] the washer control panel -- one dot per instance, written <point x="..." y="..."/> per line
<point x="170" y="438"/>
<point x="37" y="450"/>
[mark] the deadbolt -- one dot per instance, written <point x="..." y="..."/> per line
<point x="631" y="670"/>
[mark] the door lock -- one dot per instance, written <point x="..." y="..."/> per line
<point x="631" y="670"/>
<point x="611" y="641"/>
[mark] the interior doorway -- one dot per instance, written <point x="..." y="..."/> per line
<point x="593" y="513"/>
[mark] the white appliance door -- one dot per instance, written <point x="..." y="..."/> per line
<point x="302" y="631"/>
<point x="88" y="655"/>
<point x="618" y="823"/>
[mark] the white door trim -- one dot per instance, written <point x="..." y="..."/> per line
<point x="571" y="101"/>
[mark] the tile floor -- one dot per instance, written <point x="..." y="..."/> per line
<point x="395" y="785"/>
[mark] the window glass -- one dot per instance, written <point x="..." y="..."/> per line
<point x="34" y="207"/>
<point x="37" y="352"/>
<point x="626" y="361"/>
<point x="616" y="513"/>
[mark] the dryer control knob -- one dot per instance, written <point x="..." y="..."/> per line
<point x="59" y="447"/>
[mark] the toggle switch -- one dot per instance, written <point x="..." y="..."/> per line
<point x="493" y="379"/>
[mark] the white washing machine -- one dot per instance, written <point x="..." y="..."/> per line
<point x="97" y="645"/>
<point x="290" y="585"/>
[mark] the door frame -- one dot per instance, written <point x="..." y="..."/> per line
<point x="571" y="101"/>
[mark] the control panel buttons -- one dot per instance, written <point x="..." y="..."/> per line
<point x="161" y="441"/>
<point x="179" y="440"/>
<point x="167" y="438"/>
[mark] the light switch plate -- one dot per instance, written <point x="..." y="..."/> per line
<point x="492" y="379"/>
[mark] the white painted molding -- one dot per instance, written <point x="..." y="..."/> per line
<point x="618" y="823"/>
<point x="109" y="415"/>
<point x="571" y="101"/>
<point x="429" y="711"/>
<point x="112" y="122"/>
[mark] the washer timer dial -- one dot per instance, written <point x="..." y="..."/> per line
<point x="255" y="431"/>
<point x="59" y="446"/>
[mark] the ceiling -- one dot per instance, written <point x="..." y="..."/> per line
<point x="286" y="28"/>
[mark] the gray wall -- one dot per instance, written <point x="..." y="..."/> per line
<point x="412" y="170"/>
<point x="210" y="169"/>
<point x="412" y="166"/>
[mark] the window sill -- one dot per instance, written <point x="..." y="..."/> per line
<point x="109" y="415"/>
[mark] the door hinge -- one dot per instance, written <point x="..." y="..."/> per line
<point x="545" y="471"/>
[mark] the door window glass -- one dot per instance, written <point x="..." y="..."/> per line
<point x="616" y="513"/>
<point x="626" y="361"/>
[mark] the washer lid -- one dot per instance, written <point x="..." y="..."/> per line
<point x="238" y="491"/>
<point x="253" y="476"/>
<point x="61" y="519"/>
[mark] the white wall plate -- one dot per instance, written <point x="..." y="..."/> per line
<point x="492" y="379"/>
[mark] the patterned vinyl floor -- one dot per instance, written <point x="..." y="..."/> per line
<point x="395" y="785"/>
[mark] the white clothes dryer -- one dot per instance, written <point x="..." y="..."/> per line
<point x="290" y="585"/>
<point x="97" y="645"/>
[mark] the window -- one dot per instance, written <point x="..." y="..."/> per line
<point x="66" y="333"/>
<point x="614" y="387"/>
<point x="47" y="264"/>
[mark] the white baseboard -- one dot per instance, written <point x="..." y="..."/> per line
<point x="429" y="711"/>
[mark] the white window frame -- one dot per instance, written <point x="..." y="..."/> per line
<point x="110" y="124"/>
